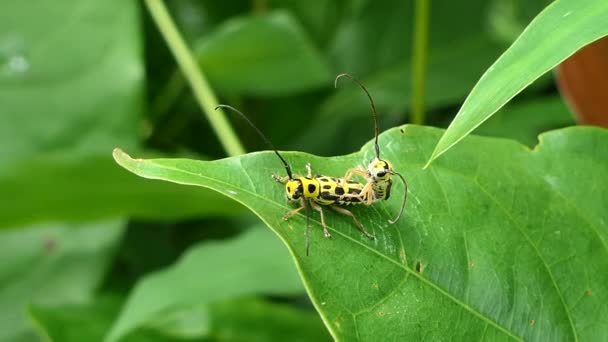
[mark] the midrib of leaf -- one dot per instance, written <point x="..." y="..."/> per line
<point x="425" y="281"/>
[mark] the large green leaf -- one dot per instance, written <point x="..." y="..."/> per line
<point x="70" y="77"/>
<point x="556" y="33"/>
<point x="252" y="263"/>
<point x="497" y="242"/>
<point x="51" y="264"/>
<point x="267" y="55"/>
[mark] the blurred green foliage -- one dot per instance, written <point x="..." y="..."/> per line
<point x="78" y="78"/>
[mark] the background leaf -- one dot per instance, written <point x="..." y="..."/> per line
<point x="41" y="111"/>
<point x="52" y="264"/>
<point x="568" y="26"/>
<point x="109" y="191"/>
<point x="84" y="321"/>
<point x="234" y="320"/>
<point x="268" y="55"/>
<point x="210" y="273"/>
<point x="474" y="258"/>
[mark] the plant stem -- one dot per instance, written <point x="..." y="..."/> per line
<point x="419" y="60"/>
<point x="203" y="93"/>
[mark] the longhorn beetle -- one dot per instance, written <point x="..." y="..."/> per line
<point x="379" y="171"/>
<point x="314" y="192"/>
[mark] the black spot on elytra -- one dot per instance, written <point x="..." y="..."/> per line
<point x="327" y="186"/>
<point x="354" y="191"/>
<point x="339" y="191"/>
<point x="328" y="196"/>
<point x="312" y="188"/>
<point x="324" y="179"/>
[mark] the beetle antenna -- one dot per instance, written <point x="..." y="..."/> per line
<point x="371" y="102"/>
<point x="404" y="197"/>
<point x="274" y="149"/>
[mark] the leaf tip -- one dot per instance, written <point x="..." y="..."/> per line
<point x="117" y="152"/>
<point x="433" y="156"/>
<point x="427" y="164"/>
<point x="119" y="155"/>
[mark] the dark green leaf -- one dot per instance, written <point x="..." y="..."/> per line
<point x="267" y="55"/>
<point x="256" y="320"/>
<point x="88" y="321"/>
<point x="234" y="320"/>
<point x="252" y="263"/>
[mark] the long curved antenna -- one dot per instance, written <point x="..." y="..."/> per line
<point x="274" y="149"/>
<point x="404" y="197"/>
<point x="371" y="102"/>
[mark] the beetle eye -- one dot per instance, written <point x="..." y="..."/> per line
<point x="381" y="174"/>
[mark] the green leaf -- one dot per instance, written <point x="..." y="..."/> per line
<point x="497" y="242"/>
<point x="251" y="263"/>
<point x="267" y="54"/>
<point x="70" y="77"/>
<point x="51" y="264"/>
<point x="87" y="321"/>
<point x="246" y="319"/>
<point x="555" y="34"/>
<point x="71" y="81"/>
<point x="94" y="187"/>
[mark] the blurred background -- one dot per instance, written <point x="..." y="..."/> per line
<point x="82" y="240"/>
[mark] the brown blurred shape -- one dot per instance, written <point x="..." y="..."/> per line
<point x="583" y="82"/>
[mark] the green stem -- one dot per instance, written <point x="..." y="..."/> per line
<point x="203" y="93"/>
<point x="419" y="60"/>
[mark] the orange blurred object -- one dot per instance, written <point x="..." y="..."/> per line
<point x="583" y="82"/>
